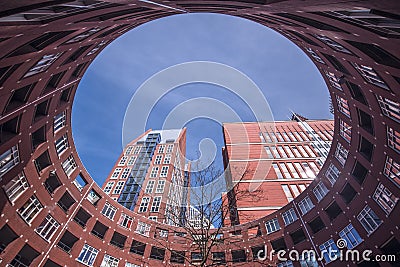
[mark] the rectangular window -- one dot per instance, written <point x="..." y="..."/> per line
<point x="83" y="35"/>
<point x="272" y="225"/>
<point x="343" y="106"/>
<point x="329" y="250"/>
<point x="333" y="80"/>
<point x="300" y="169"/>
<point x="116" y="173"/>
<point x="332" y="174"/>
<point x="125" y="221"/>
<point x="167" y="159"/>
<point x="96" y="48"/>
<point x="287" y="192"/>
<point x="289" y="216"/>
<point x="385" y="199"/>
<point x="160" y="187"/>
<point x="370" y="75"/>
<point x="332" y="44"/>
<point x="128" y="150"/>
<point x="315" y="55"/>
<point x="118" y="187"/>
<point x="341" y="154"/>
<point x="309" y="171"/>
<point x="389" y="108"/>
<point x="87" y="255"/>
<point x="16" y="187"/>
<point x="126" y="173"/>
<point x="137" y="150"/>
<point x="108" y="187"/>
<point x="43" y="64"/>
<point x="310" y="151"/>
<point x="305" y="205"/>
<point x="161" y="149"/>
<point x="269" y="152"/>
<point x="143" y="228"/>
<point x="369" y="220"/>
<point x="128" y="264"/>
<point x="144" y="204"/>
<point x="123" y="161"/>
<point x="282" y="151"/>
<point x="158" y="159"/>
<point x="289" y="152"/>
<point x="393" y="137"/>
<point x="109" y="211"/>
<point x="320" y="191"/>
<point x="59" y="121"/>
<point x="295" y="190"/>
<point x="155" y="207"/>
<point x="275" y="152"/>
<point x="286" y="173"/>
<point x="47" y="228"/>
<point x="154" y="172"/>
<point x="109" y="261"/>
<point x="61" y="144"/>
<point x="69" y="165"/>
<point x="392" y="170"/>
<point x="170" y="148"/>
<point x="277" y="170"/>
<point x="292" y="170"/>
<point x="303" y="151"/>
<point x="8" y="160"/>
<point x="345" y="131"/>
<point x="30" y="209"/>
<point x="149" y="187"/>
<point x="131" y="160"/>
<point x="351" y="236"/>
<point x="164" y="171"/>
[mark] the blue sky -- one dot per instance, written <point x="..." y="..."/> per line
<point x="285" y="75"/>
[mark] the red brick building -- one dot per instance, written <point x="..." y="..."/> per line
<point x="51" y="208"/>
<point x="281" y="160"/>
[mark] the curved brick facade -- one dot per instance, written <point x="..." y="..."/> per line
<point x="45" y="49"/>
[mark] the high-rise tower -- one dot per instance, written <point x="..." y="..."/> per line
<point x="281" y="159"/>
<point x="149" y="176"/>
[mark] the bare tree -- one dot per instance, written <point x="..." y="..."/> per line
<point x="202" y="230"/>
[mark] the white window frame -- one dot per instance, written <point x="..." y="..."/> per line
<point x="160" y="186"/>
<point x="161" y="149"/>
<point x="320" y="191"/>
<point x="385" y="198"/>
<point x="154" y="172"/>
<point x="343" y="106"/>
<point x="167" y="159"/>
<point x="369" y="220"/>
<point x="109" y="261"/>
<point x="8" y="160"/>
<point x="47" y="228"/>
<point x="109" y="211"/>
<point x="61" y="144"/>
<point x="155" y="207"/>
<point x="143" y="228"/>
<point x="158" y="159"/>
<point x="170" y="148"/>
<point x="122" y="161"/>
<point x="69" y="165"/>
<point x="341" y="154"/>
<point x="131" y="160"/>
<point x="332" y="174"/>
<point x="164" y="171"/>
<point x="389" y="108"/>
<point x="149" y="187"/>
<point x="30" y="209"/>
<point x="272" y="226"/>
<point x="118" y="187"/>
<point x="345" y="131"/>
<point x="116" y="173"/>
<point x="59" y="121"/>
<point x="125" y="221"/>
<point x="125" y="173"/>
<point x="16" y="187"/>
<point x="351" y="235"/>
<point x="109" y="186"/>
<point x="305" y="205"/>
<point x="289" y="216"/>
<point x="43" y="64"/>
<point x="144" y="204"/>
<point x="88" y="255"/>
